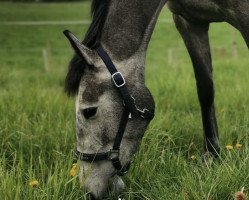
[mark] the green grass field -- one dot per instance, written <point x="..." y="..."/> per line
<point x="37" y="132"/>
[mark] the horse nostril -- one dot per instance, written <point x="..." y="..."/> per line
<point x="89" y="112"/>
<point x="91" y="197"/>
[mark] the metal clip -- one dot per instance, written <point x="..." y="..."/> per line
<point x="113" y="154"/>
<point x="143" y="112"/>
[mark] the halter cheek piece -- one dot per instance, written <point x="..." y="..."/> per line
<point x="130" y="110"/>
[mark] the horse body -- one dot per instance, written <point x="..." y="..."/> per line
<point x="192" y="19"/>
<point x="197" y="10"/>
<point x="128" y="27"/>
<point x="234" y="12"/>
<point x="124" y="29"/>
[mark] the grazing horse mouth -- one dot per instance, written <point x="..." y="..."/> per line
<point x="91" y="197"/>
<point x="130" y="110"/>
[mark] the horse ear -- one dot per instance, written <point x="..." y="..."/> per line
<point x="80" y="49"/>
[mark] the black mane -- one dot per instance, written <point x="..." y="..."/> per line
<point x="77" y="64"/>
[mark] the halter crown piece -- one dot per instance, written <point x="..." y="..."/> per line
<point x="130" y="109"/>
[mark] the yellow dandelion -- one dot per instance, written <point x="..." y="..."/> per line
<point x="238" y="146"/>
<point x="193" y="157"/>
<point x="33" y="183"/>
<point x="229" y="147"/>
<point x="74" y="170"/>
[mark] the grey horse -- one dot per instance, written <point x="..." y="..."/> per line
<point x="124" y="28"/>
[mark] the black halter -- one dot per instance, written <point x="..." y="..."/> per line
<point x="130" y="110"/>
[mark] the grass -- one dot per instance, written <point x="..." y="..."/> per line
<point x="37" y="119"/>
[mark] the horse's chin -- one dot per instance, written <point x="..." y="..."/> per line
<point x="98" y="189"/>
<point x="98" y="182"/>
<point x="117" y="185"/>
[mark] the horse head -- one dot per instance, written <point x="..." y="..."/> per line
<point x="106" y="127"/>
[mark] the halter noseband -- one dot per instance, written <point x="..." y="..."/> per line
<point x="130" y="110"/>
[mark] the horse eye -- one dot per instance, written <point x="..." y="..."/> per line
<point x="89" y="112"/>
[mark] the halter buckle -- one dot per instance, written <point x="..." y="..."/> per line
<point x="118" y="79"/>
<point x="113" y="154"/>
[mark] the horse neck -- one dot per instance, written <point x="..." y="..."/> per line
<point x="129" y="26"/>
